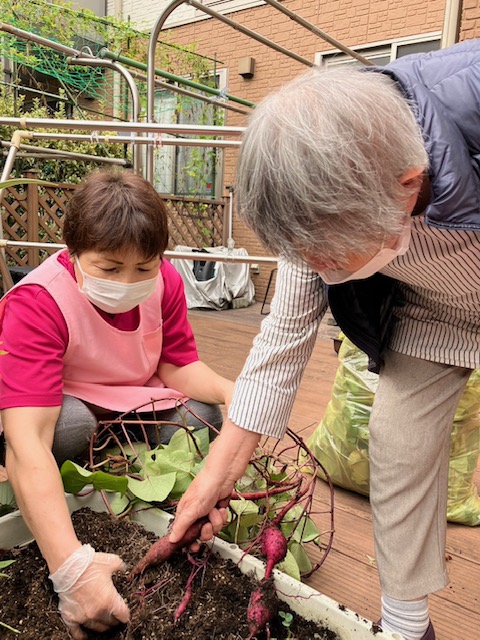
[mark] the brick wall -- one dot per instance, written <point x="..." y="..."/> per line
<point x="470" y="23"/>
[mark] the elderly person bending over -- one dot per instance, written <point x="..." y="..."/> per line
<point x="367" y="184"/>
<point x="94" y="331"/>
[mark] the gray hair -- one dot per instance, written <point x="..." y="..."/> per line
<point x="320" y="163"/>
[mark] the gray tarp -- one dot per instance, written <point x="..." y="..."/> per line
<point x="215" y="285"/>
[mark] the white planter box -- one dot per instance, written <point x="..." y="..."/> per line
<point x="301" y="598"/>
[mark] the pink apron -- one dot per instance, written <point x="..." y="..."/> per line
<point x="105" y="366"/>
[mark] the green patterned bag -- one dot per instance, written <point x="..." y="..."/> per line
<point x="340" y="442"/>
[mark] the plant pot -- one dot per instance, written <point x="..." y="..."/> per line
<point x="307" y="602"/>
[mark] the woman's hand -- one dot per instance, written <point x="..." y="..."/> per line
<point x="86" y="593"/>
<point x="82" y="578"/>
<point x="228" y="458"/>
<point x="201" y="499"/>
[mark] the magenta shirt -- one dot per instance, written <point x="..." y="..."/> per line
<point x="35" y="336"/>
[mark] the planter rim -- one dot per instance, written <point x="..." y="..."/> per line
<point x="303" y="599"/>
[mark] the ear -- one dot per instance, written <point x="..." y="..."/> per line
<point x="412" y="177"/>
<point x="412" y="180"/>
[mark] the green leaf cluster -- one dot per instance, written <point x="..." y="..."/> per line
<point x="154" y="476"/>
<point x="65" y="23"/>
<point x="162" y="475"/>
<point x="247" y="518"/>
<point x="71" y="171"/>
<point x="7" y="499"/>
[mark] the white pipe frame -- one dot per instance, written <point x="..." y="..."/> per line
<point x="16" y="145"/>
<point x="158" y="26"/>
<point x="138" y="127"/>
<point x="451" y="23"/>
<point x="46" y="152"/>
<point x="19" y="135"/>
<point x="182" y="255"/>
<point x="115" y="66"/>
<point x="69" y="51"/>
<point x="152" y="46"/>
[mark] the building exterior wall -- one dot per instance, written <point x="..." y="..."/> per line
<point x="470" y="21"/>
<point x="354" y="23"/>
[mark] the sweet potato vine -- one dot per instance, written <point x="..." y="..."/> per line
<point x="271" y="510"/>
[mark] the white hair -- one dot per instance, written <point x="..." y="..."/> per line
<point x="320" y="163"/>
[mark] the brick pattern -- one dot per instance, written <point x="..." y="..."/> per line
<point x="470" y="23"/>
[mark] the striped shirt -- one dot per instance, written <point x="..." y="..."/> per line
<point x="436" y="317"/>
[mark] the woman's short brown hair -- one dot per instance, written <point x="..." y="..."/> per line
<point x="116" y="210"/>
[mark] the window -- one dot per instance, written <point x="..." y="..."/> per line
<point x="188" y="171"/>
<point x="383" y="52"/>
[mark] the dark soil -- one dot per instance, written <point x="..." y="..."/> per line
<point x="217" y="609"/>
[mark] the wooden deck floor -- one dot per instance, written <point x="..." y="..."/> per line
<point x="349" y="575"/>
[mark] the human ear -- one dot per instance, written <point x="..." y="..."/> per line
<point x="412" y="178"/>
<point x="412" y="182"/>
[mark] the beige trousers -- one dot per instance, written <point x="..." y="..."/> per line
<point x="409" y="448"/>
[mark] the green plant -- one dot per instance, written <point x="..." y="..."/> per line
<point x="269" y="509"/>
<point x="7" y="498"/>
<point x="287" y="618"/>
<point x="52" y="170"/>
<point x="64" y="23"/>
<point x="273" y="490"/>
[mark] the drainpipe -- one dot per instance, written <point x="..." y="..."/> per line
<point x="451" y="23"/>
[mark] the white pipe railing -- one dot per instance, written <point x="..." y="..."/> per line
<point x="207" y="256"/>
<point x="138" y="127"/>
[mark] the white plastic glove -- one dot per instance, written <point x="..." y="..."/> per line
<point x="86" y="593"/>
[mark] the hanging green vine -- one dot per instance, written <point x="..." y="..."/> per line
<point x="87" y="91"/>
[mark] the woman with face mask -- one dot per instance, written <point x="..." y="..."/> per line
<point x="95" y="331"/>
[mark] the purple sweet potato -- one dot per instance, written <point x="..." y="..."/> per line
<point x="262" y="607"/>
<point x="163" y="549"/>
<point x="274" y="547"/>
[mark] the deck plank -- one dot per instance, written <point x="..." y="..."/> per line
<point x="349" y="574"/>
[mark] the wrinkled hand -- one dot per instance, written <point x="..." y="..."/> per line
<point x="225" y="463"/>
<point x="87" y="596"/>
<point x="199" y="500"/>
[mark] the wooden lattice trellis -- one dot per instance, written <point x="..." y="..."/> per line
<point x="195" y="223"/>
<point x="34" y="213"/>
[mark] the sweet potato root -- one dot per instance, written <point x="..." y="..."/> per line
<point x="262" y="607"/>
<point x="274" y="547"/>
<point x="163" y="549"/>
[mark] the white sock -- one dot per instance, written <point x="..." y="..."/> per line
<point x="410" y="619"/>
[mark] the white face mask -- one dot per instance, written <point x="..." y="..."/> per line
<point x="115" y="297"/>
<point x="375" y="264"/>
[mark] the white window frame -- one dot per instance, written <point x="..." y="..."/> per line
<point x="167" y="155"/>
<point x="374" y="49"/>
